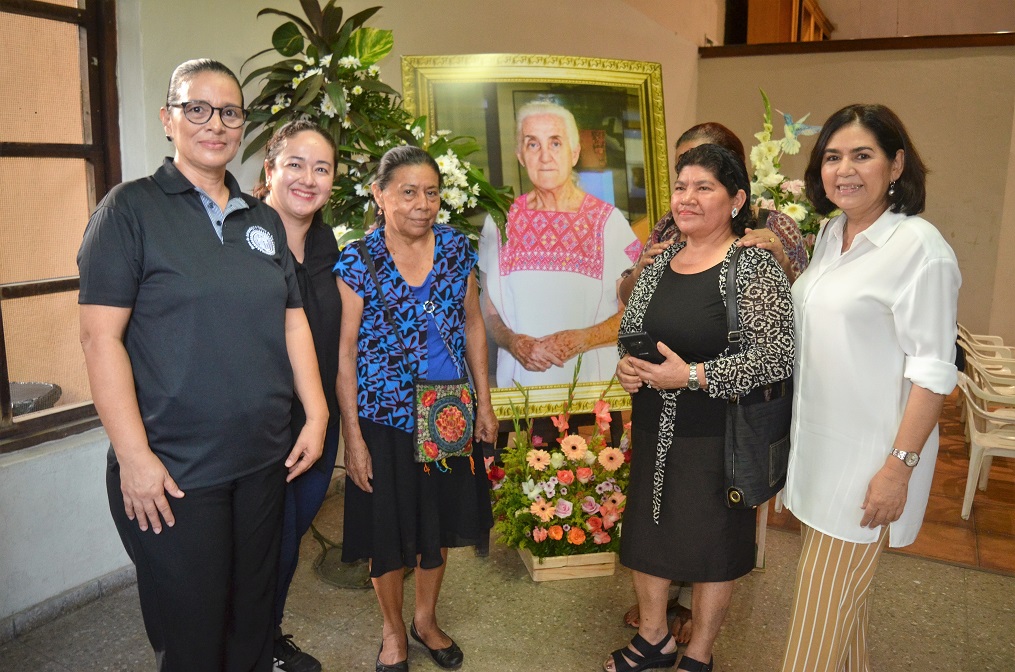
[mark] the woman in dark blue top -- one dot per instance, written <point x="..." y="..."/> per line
<point x="400" y="513"/>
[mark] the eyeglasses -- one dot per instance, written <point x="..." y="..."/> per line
<point x="200" y="112"/>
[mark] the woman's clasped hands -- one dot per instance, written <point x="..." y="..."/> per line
<point x="632" y="372"/>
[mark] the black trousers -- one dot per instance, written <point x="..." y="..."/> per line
<point x="207" y="584"/>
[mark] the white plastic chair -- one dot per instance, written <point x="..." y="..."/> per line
<point x="991" y="434"/>
<point x="990" y="379"/>
<point x="982" y="339"/>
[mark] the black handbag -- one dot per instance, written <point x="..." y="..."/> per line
<point x="757" y="426"/>
<point x="444" y="410"/>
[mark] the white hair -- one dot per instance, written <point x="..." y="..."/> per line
<point x="546" y="107"/>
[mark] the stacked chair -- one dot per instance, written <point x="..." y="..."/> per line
<point x="988" y="395"/>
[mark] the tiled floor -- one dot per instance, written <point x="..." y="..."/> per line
<point x="987" y="539"/>
<point x="926" y="615"/>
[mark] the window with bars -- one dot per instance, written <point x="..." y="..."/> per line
<point x="59" y="154"/>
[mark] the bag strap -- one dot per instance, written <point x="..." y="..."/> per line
<point x="368" y="260"/>
<point x="364" y="253"/>
<point x="732" y="317"/>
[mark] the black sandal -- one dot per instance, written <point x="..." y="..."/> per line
<point x="645" y="656"/>
<point x="695" y="665"/>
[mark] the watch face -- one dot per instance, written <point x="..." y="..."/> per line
<point x="912" y="459"/>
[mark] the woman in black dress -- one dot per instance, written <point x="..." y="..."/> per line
<point x="677" y="526"/>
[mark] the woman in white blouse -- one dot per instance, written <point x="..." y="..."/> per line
<point x="875" y="320"/>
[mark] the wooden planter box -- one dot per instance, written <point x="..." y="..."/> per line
<point x="568" y="566"/>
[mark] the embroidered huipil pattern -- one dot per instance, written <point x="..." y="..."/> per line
<point x="557" y="271"/>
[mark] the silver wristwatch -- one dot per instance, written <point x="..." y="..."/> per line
<point x="692" y="377"/>
<point x="910" y="459"/>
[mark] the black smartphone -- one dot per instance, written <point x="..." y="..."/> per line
<point x="642" y="346"/>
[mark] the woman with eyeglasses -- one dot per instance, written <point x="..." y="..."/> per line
<point x="195" y="340"/>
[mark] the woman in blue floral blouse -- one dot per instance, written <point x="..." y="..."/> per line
<point x="401" y="513"/>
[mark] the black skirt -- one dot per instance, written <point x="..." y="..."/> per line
<point x="698" y="539"/>
<point x="415" y="509"/>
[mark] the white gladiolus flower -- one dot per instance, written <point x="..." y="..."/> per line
<point x="773" y="180"/>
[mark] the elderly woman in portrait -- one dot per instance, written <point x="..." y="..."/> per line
<point x="876" y="315"/>
<point x="550" y="290"/>
<point x="399" y="512"/>
<point x="676" y="525"/>
<point x="194" y="338"/>
<point x="777" y="233"/>
<point x="299" y="169"/>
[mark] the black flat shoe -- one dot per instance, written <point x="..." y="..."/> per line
<point x="449" y="658"/>
<point x="401" y="666"/>
<point x="692" y="665"/>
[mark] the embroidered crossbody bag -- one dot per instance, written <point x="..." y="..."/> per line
<point x="443" y="409"/>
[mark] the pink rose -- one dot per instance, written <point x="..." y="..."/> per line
<point x="564" y="508"/>
<point x="590" y="506"/>
<point x="584" y="474"/>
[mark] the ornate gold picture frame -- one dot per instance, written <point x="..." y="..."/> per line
<point x="478" y="95"/>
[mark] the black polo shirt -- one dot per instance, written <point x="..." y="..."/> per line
<point x="206" y="336"/>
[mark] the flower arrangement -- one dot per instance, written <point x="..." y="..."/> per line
<point x="329" y="74"/>
<point x="769" y="187"/>
<point x="565" y="498"/>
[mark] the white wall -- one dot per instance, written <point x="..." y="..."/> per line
<point x="55" y="531"/>
<point x="855" y="19"/>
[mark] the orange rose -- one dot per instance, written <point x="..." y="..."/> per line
<point x="556" y="532"/>
<point x="576" y="536"/>
<point x="584" y="474"/>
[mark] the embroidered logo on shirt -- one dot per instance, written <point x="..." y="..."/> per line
<point x="259" y="239"/>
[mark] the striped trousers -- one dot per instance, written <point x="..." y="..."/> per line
<point x="828" y="627"/>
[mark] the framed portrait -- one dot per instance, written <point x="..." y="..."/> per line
<point x="618" y="109"/>
<point x="617" y="104"/>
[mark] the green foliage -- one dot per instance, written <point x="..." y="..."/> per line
<point x="329" y="74"/>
